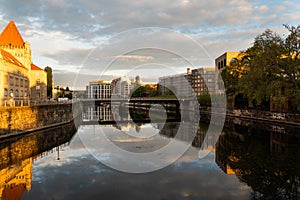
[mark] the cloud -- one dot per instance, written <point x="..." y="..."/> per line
<point x="62" y="32"/>
<point x="134" y="57"/>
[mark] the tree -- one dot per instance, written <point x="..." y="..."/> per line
<point x="270" y="68"/>
<point x="262" y="78"/>
<point x="48" y="70"/>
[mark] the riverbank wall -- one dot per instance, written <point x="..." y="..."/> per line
<point x="260" y="121"/>
<point x="17" y="120"/>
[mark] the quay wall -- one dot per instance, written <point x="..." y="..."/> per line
<point x="14" y="120"/>
<point x="288" y="118"/>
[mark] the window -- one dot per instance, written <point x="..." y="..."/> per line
<point x="38" y="95"/>
<point x="17" y="93"/>
<point x="234" y="62"/>
<point x="5" y="92"/>
<point x="17" y="81"/>
<point x="11" y="80"/>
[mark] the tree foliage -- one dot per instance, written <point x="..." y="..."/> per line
<point x="143" y="91"/>
<point x="270" y="67"/>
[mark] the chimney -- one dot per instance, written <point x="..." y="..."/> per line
<point x="188" y="70"/>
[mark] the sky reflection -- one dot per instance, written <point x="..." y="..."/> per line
<point x="77" y="175"/>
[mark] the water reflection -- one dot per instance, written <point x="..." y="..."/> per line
<point x="16" y="179"/>
<point x="266" y="161"/>
<point x="17" y="155"/>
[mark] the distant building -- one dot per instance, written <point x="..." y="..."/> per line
<point x="196" y="82"/>
<point x="179" y="84"/>
<point x="203" y="81"/>
<point x="99" y="90"/>
<point x="121" y="87"/>
<point x="20" y="79"/>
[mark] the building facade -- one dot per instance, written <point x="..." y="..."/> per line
<point x="221" y="63"/>
<point x="99" y="90"/>
<point x="203" y="81"/>
<point x="196" y="82"/>
<point x="121" y="87"/>
<point x="20" y="80"/>
<point x="179" y="84"/>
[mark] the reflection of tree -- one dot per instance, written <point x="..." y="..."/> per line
<point x="272" y="174"/>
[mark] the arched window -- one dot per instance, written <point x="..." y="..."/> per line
<point x="17" y="93"/>
<point x="233" y="62"/>
<point x="11" y="93"/>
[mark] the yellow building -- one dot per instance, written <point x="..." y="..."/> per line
<point x="224" y="60"/>
<point x="20" y="79"/>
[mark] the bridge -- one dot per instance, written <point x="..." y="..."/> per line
<point x="136" y="100"/>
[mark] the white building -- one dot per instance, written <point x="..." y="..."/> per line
<point x="99" y="90"/>
<point x="179" y="84"/>
<point x="122" y="87"/>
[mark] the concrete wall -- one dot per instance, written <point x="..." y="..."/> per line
<point x="19" y="119"/>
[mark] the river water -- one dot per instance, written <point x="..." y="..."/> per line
<point x="259" y="161"/>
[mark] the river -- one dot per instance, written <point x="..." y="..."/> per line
<point x="148" y="160"/>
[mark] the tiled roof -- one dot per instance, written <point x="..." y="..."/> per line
<point x="10" y="58"/>
<point x="34" y="67"/>
<point x="11" y="35"/>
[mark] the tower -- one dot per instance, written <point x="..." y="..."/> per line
<point x="12" y="42"/>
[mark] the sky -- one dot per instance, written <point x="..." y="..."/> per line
<point x="84" y="40"/>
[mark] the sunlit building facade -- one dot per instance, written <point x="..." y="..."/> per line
<point x="122" y="87"/>
<point x="20" y="80"/>
<point x="99" y="89"/>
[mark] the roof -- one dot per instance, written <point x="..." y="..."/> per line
<point x="14" y="193"/>
<point x="11" y="35"/>
<point x="10" y="58"/>
<point x="34" y="67"/>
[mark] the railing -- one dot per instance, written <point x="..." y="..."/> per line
<point x="18" y="103"/>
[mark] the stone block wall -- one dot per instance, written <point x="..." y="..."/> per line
<point x="18" y="119"/>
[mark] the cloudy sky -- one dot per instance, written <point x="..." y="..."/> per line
<point x="95" y="39"/>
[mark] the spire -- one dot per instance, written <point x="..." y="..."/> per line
<point x="11" y="35"/>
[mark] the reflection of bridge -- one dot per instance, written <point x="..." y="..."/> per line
<point x="136" y="100"/>
<point x="112" y="122"/>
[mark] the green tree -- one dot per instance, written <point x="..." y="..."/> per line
<point x="270" y="67"/>
<point x="48" y="70"/>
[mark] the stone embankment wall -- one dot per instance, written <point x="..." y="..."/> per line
<point x="275" y="117"/>
<point x="19" y="119"/>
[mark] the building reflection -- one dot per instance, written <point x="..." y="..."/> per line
<point x="15" y="179"/>
<point x="267" y="161"/>
<point x="126" y="118"/>
<point x="17" y="155"/>
<point x="95" y="113"/>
